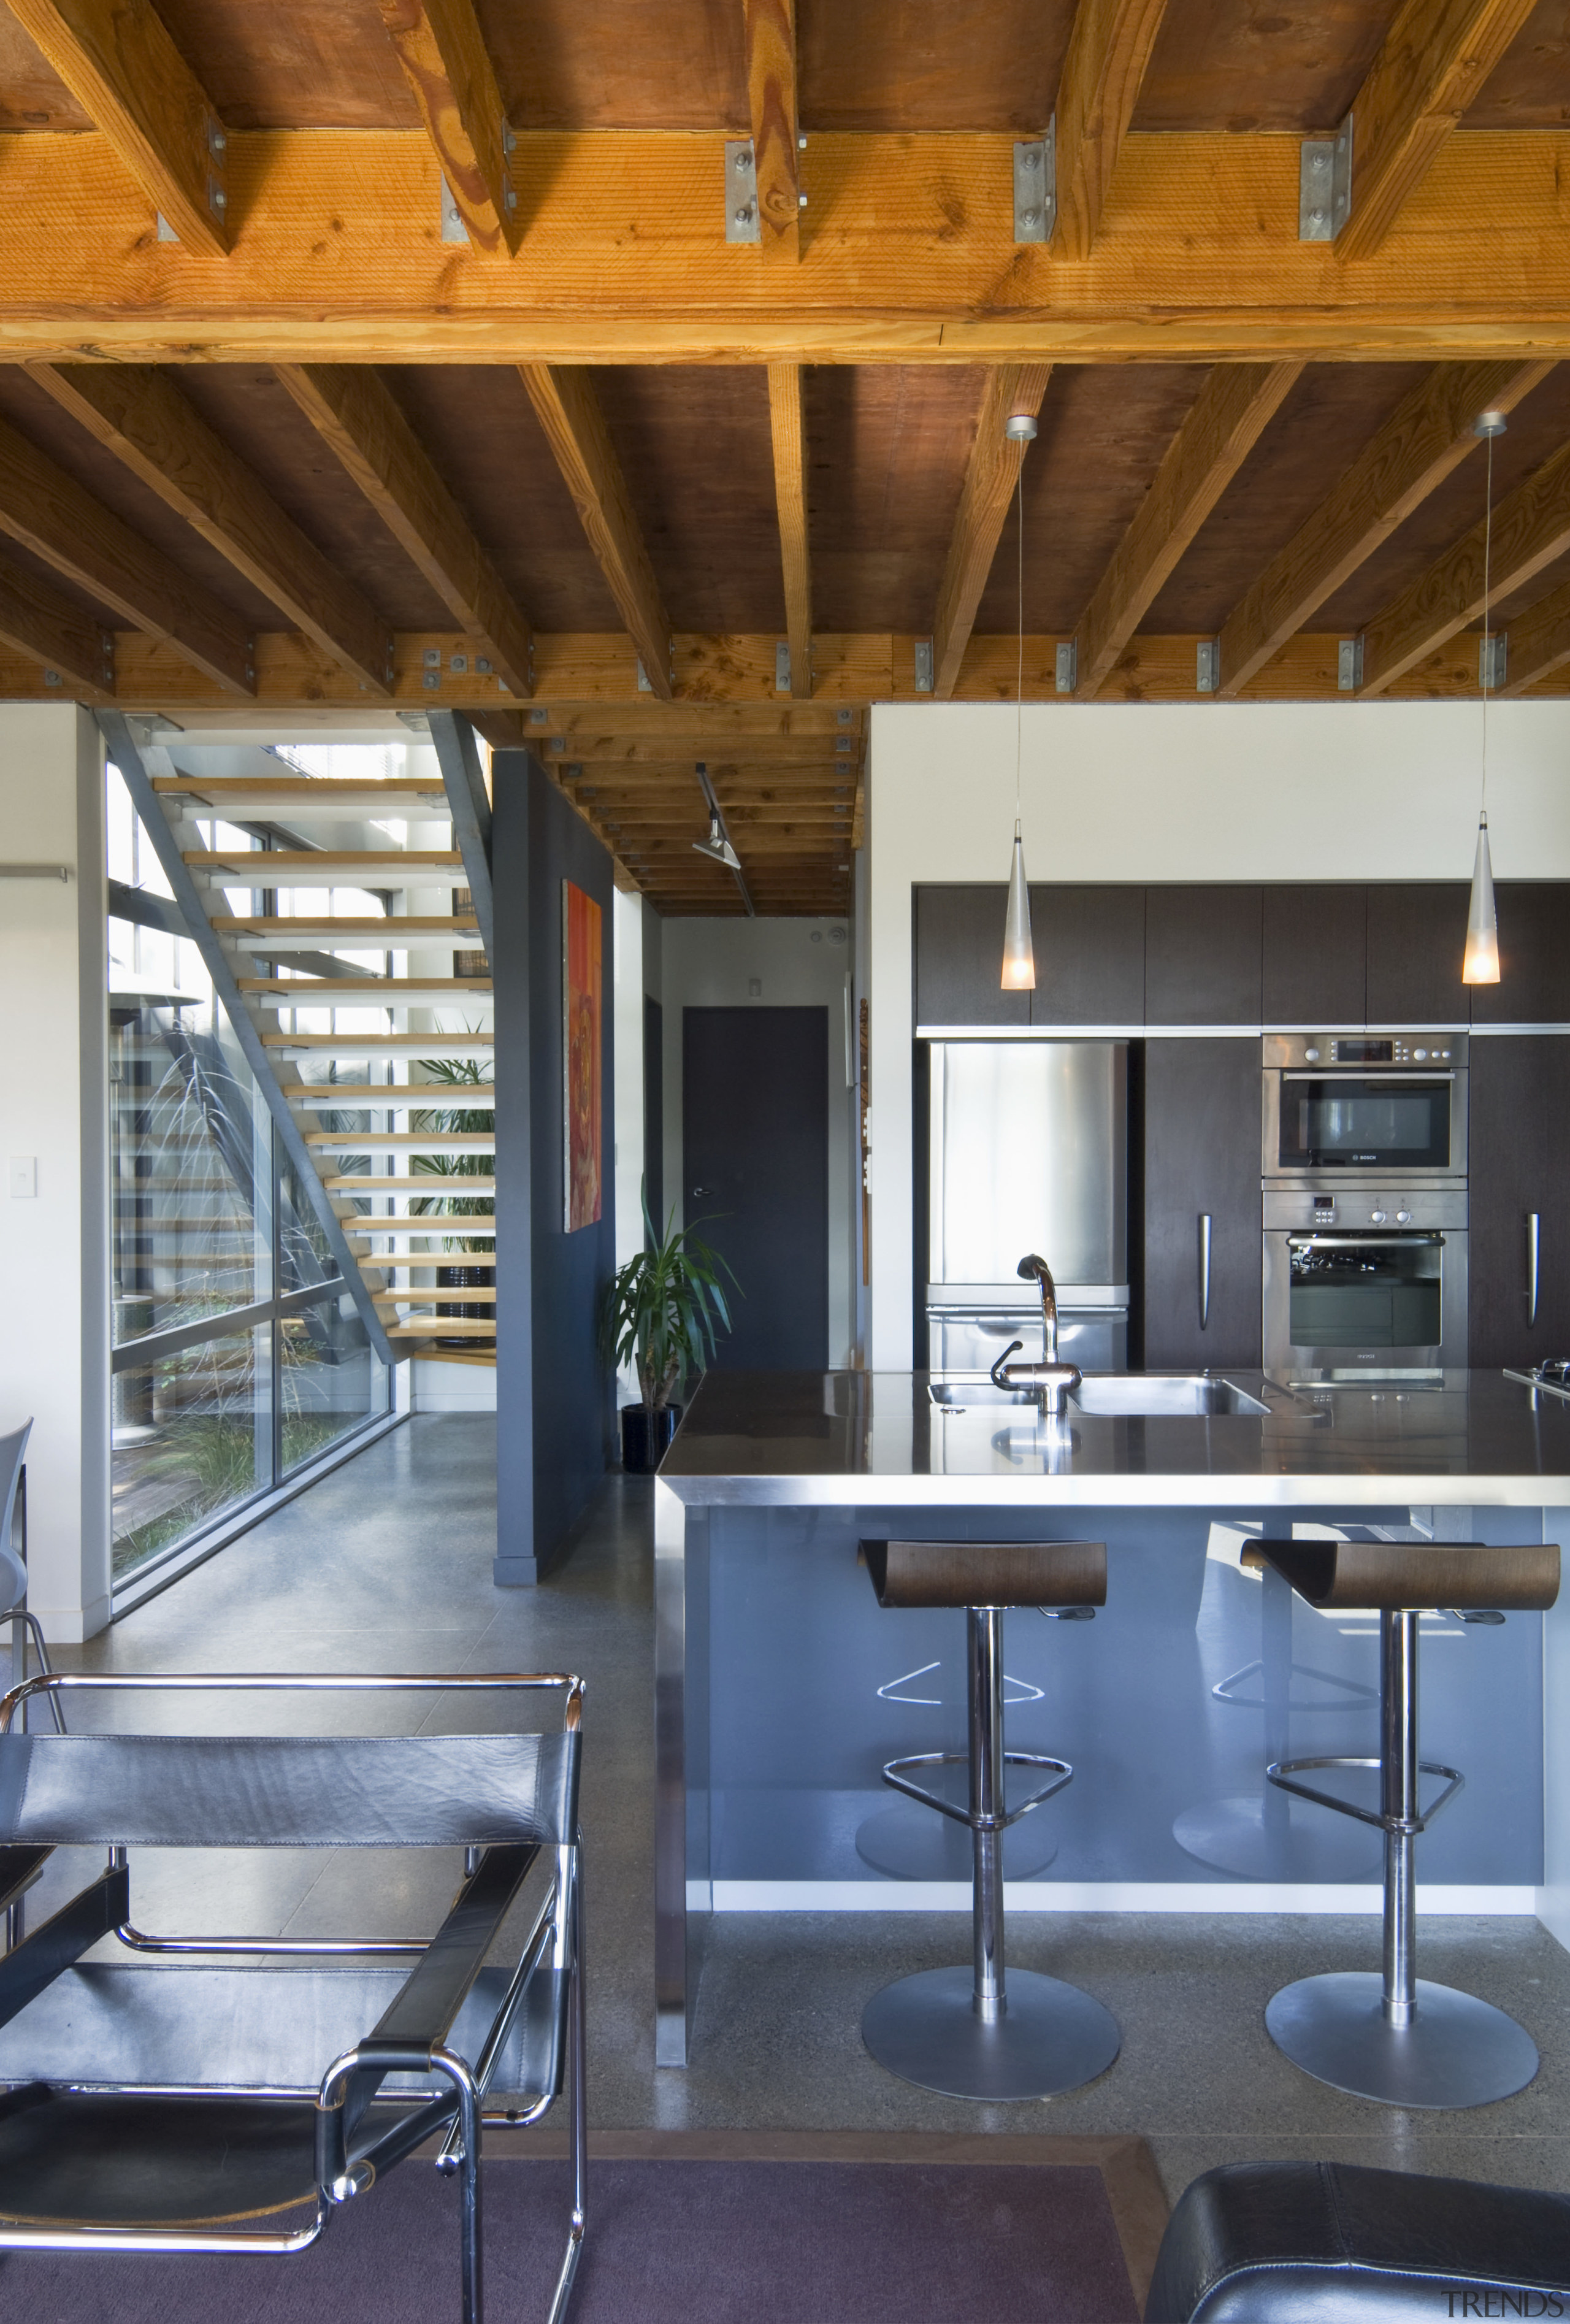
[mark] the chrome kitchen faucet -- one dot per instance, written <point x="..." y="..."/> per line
<point x="1051" y="1379"/>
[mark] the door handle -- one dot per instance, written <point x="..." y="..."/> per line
<point x="1204" y="1270"/>
<point x="700" y="1192"/>
<point x="1534" y="1240"/>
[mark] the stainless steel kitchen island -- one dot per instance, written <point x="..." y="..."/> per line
<point x="781" y="1688"/>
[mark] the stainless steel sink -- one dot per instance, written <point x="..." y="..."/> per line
<point x="1192" y="1396"/>
<point x="960" y="1395"/>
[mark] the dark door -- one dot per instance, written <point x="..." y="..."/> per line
<point x="755" y="1120"/>
<point x="654" y="1112"/>
<point x="1417" y="936"/>
<point x="1203" y="949"/>
<point x="1089" y="944"/>
<point x="958" y="941"/>
<point x="1534" y="957"/>
<point x="1201" y="1160"/>
<point x="1316" y="956"/>
<point x="1519" y="1120"/>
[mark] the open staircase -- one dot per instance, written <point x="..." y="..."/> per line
<point x="341" y="1044"/>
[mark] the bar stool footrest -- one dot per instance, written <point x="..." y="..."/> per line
<point x="1282" y="1771"/>
<point x="895" y="1777"/>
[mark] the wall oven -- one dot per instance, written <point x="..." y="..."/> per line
<point x="1366" y="1109"/>
<point x="1364" y="1285"/>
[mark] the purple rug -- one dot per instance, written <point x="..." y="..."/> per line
<point x="671" y="2241"/>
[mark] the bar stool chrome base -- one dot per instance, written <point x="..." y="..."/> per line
<point x="910" y="1843"/>
<point x="1051" y="2038"/>
<point x="1457" y="2052"/>
<point x="1252" y="1840"/>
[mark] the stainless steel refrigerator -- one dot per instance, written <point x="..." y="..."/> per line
<point x="1028" y="1153"/>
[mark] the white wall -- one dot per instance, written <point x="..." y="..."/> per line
<point x="54" y="1081"/>
<point x="796" y="964"/>
<point x="1153" y="792"/>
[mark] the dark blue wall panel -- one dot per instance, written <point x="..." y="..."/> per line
<point x="554" y="1399"/>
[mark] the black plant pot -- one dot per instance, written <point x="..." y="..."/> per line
<point x="646" y="1437"/>
<point x="465" y="1278"/>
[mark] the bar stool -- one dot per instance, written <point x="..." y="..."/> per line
<point x="965" y="2032"/>
<point x="1396" y="2037"/>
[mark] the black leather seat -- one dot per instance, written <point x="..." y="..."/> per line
<point x="1321" y="2242"/>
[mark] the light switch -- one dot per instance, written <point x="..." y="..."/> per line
<point x="24" y="1177"/>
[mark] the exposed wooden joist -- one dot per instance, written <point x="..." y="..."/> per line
<point x="340" y="261"/>
<point x="1531" y="528"/>
<point x="1540" y="642"/>
<point x="141" y="417"/>
<point x="769" y="31"/>
<point x="569" y="411"/>
<point x="1435" y="58"/>
<point x="446" y="63"/>
<point x="1424" y="440"/>
<point x="355" y="411"/>
<point x="1230" y="413"/>
<point x="788" y="425"/>
<point x="117" y="59"/>
<point x="48" y="511"/>
<point x="1108" y="50"/>
<point x="990" y="477"/>
<point x="40" y="621"/>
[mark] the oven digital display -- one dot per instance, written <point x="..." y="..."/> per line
<point x="1363" y="1052"/>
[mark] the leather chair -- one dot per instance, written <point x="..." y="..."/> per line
<point x="1322" y="2243"/>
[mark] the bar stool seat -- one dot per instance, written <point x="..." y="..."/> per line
<point x="1395" y="2037"/>
<point x="970" y="2033"/>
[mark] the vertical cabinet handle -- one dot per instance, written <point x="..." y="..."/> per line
<point x="1204" y="1270"/>
<point x="1534" y="1226"/>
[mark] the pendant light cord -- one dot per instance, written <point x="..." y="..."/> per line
<point x="1020" y="674"/>
<point x="1487" y="639"/>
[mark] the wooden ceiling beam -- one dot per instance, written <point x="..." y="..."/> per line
<point x="787" y="427"/>
<point x="1230" y="413"/>
<point x="1424" y="440"/>
<point x="448" y="66"/>
<point x="355" y="413"/>
<point x="119" y="62"/>
<point x="141" y="417"/>
<point x="41" y="621"/>
<point x="699" y="725"/>
<point x="769" y="29"/>
<point x="990" y="478"/>
<point x="1108" y="50"/>
<point x="1532" y="529"/>
<point x="339" y="260"/>
<point x="45" y="509"/>
<point x="569" y="411"/>
<point x="1540" y="642"/>
<point x="1435" y="58"/>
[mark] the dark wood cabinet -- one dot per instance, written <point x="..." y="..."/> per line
<point x="958" y="939"/>
<point x="1201" y="1155"/>
<point x="1534" y="955"/>
<point x="1315" y="957"/>
<point x="1417" y="936"/>
<point x="1090" y="955"/>
<point x="1202" y="955"/>
<point x="1516" y="1171"/>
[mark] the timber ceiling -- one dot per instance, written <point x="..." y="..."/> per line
<point x="275" y="440"/>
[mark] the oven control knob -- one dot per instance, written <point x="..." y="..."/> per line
<point x="1419" y="1055"/>
<point x="1312" y="1055"/>
<point x="1403" y="1218"/>
<point x="1444" y="1053"/>
<point x="1377" y="1218"/>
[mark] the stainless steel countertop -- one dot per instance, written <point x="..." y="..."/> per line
<point x="846" y="1438"/>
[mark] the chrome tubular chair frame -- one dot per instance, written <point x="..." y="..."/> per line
<point x="354" y="2146"/>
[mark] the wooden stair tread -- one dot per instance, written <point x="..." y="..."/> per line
<point x="393" y="1097"/>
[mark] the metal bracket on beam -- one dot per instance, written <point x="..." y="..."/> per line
<point x="453" y="228"/>
<point x="1324" y="185"/>
<point x="1067" y="667"/>
<point x="1035" y="186"/>
<point x="923" y="665"/>
<point x="782" y="669"/>
<point x="741" y="224"/>
<point x="1492" y="660"/>
<point x="1207" y="666"/>
<point x="1349" y="665"/>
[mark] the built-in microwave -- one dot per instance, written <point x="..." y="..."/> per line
<point x="1380" y="1109"/>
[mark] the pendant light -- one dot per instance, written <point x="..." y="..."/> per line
<point x="1481" y="963"/>
<point x="1019" y="952"/>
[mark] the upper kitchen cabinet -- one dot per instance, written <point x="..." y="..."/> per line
<point x="958" y="938"/>
<point x="1202" y="955"/>
<point x="1090" y="955"/>
<point x="1314" y="970"/>
<point x="1416" y="934"/>
<point x="1534" y="955"/>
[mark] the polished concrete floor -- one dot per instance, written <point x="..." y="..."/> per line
<point x="386" y="1566"/>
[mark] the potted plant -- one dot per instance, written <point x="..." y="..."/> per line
<point x="660" y="1313"/>
<point x="450" y="1121"/>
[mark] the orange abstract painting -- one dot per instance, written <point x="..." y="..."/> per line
<point x="581" y="998"/>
